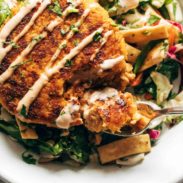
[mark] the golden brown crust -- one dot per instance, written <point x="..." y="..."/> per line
<point x="47" y="106"/>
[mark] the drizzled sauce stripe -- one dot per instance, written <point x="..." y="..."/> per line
<point x="20" y="58"/>
<point x="103" y="41"/>
<point x="7" y="74"/>
<point x="43" y="78"/>
<point x="39" y="84"/>
<point x="110" y="63"/>
<point x="44" y="4"/>
<point x="69" y="36"/>
<point x="13" y="22"/>
<point x="4" y="51"/>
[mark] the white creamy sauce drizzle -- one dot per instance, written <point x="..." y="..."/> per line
<point x="14" y="21"/>
<point x="103" y="41"/>
<point x="58" y="20"/>
<point x="110" y="63"/>
<point x="69" y="36"/>
<point x="4" y="51"/>
<point x="65" y="118"/>
<point x="32" y="94"/>
<point x="53" y="24"/>
<point x="4" y="76"/>
<point x="102" y="95"/>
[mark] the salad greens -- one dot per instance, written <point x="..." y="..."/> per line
<point x="5" y="11"/>
<point x="141" y="58"/>
<point x="168" y="67"/>
<point x="73" y="146"/>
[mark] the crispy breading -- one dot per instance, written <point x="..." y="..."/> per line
<point x="46" y="108"/>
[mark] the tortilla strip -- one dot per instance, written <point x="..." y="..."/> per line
<point x="123" y="148"/>
<point x="146" y="34"/>
<point x="26" y="132"/>
<point x="133" y="53"/>
<point x="155" y="56"/>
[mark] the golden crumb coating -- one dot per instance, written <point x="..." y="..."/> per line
<point x="83" y="68"/>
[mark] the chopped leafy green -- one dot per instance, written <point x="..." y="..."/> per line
<point x="97" y="37"/>
<point x="23" y="111"/>
<point x="12" y="43"/>
<point x="56" y="8"/>
<point x="74" y="28"/>
<point x="74" y="146"/>
<point x="164" y="12"/>
<point x="153" y="19"/>
<point x="68" y="63"/>
<point x="141" y="58"/>
<point x="168" y="1"/>
<point x="171" y="121"/>
<point x="28" y="158"/>
<point x="168" y="68"/>
<point x="73" y="10"/>
<point x="5" y="11"/>
<point x="180" y="37"/>
<point x="37" y="38"/>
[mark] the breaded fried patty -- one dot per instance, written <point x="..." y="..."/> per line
<point x="54" y="47"/>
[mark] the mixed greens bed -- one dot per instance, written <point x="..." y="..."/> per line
<point x="160" y="83"/>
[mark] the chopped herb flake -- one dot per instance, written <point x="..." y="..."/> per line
<point x="12" y="43"/>
<point x="153" y="19"/>
<point x="55" y="7"/>
<point x="68" y="63"/>
<point x="73" y="10"/>
<point x="97" y="36"/>
<point x="37" y="38"/>
<point x="20" y="64"/>
<point x="75" y="42"/>
<point x="23" y="112"/>
<point x="74" y="28"/>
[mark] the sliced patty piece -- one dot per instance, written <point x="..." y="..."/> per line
<point x="108" y="109"/>
<point x="35" y="76"/>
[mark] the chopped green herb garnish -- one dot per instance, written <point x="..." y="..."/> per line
<point x="37" y="38"/>
<point x="74" y="28"/>
<point x="73" y="10"/>
<point x="97" y="36"/>
<point x="63" y="32"/>
<point x="12" y="43"/>
<point x="62" y="46"/>
<point x="23" y="111"/>
<point x="75" y="42"/>
<point x="56" y="8"/>
<point x="20" y="64"/>
<point x="180" y="38"/>
<point x="153" y="19"/>
<point x="62" y="113"/>
<point x="68" y="63"/>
